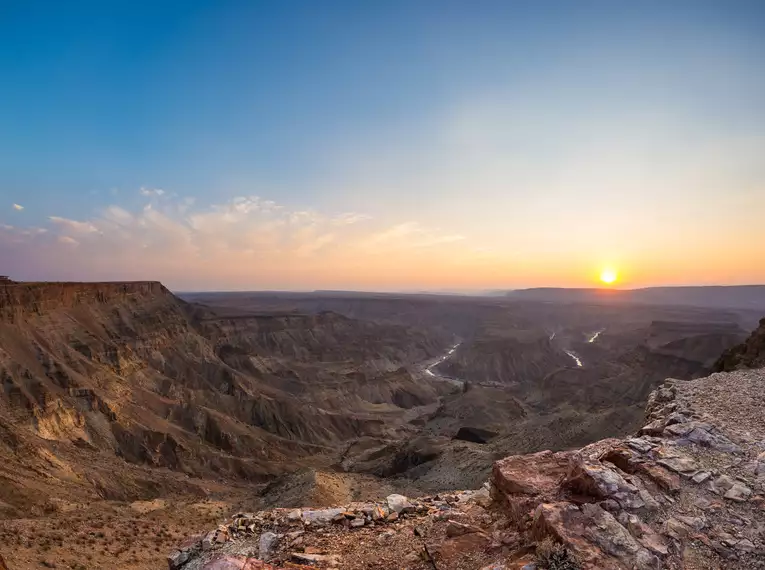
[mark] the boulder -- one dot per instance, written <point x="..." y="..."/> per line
<point x="738" y="492"/>
<point x="267" y="545"/>
<point x="722" y="484"/>
<point x="321" y="516"/>
<point x="521" y="482"/>
<point x="566" y="524"/>
<point x="598" y="480"/>
<point x="454" y="528"/>
<point x="177" y="559"/>
<point x="679" y="464"/>
<point x="185" y="551"/>
<point x="399" y="504"/>
<point x="594" y="536"/>
<point x="630" y="460"/>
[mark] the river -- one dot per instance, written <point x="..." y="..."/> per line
<point x="575" y="357"/>
<point x="429" y="371"/>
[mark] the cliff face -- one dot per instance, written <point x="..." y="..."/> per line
<point x="686" y="491"/>
<point x="750" y="354"/>
<point x="100" y="376"/>
<point x="19" y="299"/>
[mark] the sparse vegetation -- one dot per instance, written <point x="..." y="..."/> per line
<point x="553" y="555"/>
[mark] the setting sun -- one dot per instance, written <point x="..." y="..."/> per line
<point x="608" y="276"/>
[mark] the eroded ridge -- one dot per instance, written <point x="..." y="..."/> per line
<point x="684" y="492"/>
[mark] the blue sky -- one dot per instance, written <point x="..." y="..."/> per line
<point x="489" y="143"/>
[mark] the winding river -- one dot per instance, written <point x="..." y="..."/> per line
<point x="429" y="368"/>
<point x="595" y="336"/>
<point x="575" y="357"/>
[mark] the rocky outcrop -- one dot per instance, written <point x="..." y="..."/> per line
<point x="687" y="487"/>
<point x="19" y="299"/>
<point x="750" y="354"/>
<point x="686" y="491"/>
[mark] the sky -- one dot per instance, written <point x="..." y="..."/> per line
<point x="397" y="145"/>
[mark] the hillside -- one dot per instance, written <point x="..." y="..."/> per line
<point x="749" y="354"/>
<point x="123" y="392"/>
<point x="686" y="491"/>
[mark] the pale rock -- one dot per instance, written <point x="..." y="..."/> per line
<point x="267" y="545"/>
<point x="745" y="545"/>
<point x="321" y="516"/>
<point x="676" y="529"/>
<point x="738" y="492"/>
<point x="701" y="476"/>
<point x="656" y="427"/>
<point x="722" y="484"/>
<point x="178" y="559"/>
<point x="598" y="480"/>
<point x="696" y="523"/>
<point x="331" y="560"/>
<point x="455" y="528"/>
<point x="641" y="445"/>
<point x="399" y="503"/>
<point x="679" y="463"/>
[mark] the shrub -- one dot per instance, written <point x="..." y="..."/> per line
<point x="552" y="555"/>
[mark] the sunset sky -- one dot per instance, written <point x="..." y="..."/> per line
<point x="383" y="145"/>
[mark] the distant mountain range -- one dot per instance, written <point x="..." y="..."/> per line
<point x="730" y="297"/>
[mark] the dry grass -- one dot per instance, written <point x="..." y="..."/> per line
<point x="554" y="556"/>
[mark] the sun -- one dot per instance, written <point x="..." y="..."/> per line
<point x="608" y="275"/>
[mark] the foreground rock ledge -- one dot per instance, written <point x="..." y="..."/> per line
<point x="687" y="491"/>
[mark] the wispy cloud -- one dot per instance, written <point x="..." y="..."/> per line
<point x="151" y="192"/>
<point x="18" y="207"/>
<point x="409" y="235"/>
<point x="248" y="242"/>
<point x="74" y="225"/>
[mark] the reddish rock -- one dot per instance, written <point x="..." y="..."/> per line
<point x="522" y="482"/>
<point x="664" y="479"/>
<point x="593" y="535"/>
<point x="565" y="523"/>
<point x="449" y="552"/>
<point x="629" y="461"/>
<point x="237" y="563"/>
<point x="455" y="528"/>
<point x="595" y="480"/>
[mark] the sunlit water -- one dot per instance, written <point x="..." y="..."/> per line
<point x="428" y="370"/>
<point x="596" y="335"/>
<point x="575" y="357"/>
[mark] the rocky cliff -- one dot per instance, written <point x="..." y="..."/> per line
<point x="750" y="354"/>
<point x="686" y="491"/>
<point x="20" y="299"/>
<point x="99" y="375"/>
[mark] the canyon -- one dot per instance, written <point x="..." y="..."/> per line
<point x="131" y="417"/>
